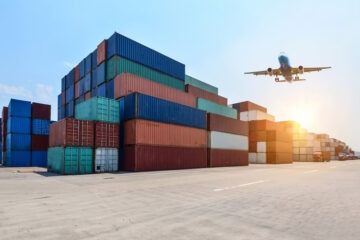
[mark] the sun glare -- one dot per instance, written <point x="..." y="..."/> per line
<point x="302" y="116"/>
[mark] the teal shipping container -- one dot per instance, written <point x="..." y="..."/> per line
<point x="199" y="84"/>
<point x="98" y="109"/>
<point x="117" y="65"/>
<point x="212" y="107"/>
<point x="70" y="160"/>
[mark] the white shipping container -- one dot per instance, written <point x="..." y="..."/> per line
<point x="261" y="147"/>
<point x="252" y="157"/>
<point x="302" y="150"/>
<point x="261" y="158"/>
<point x="254" y="115"/>
<point x="220" y="140"/>
<point x="106" y="160"/>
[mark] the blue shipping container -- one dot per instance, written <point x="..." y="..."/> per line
<point x="142" y="106"/>
<point x="82" y="68"/>
<point x="19" y="108"/>
<point x="94" y="78"/>
<point x="101" y="90"/>
<point x="40" y="126"/>
<point x="87" y="83"/>
<point x="59" y="100"/>
<point x="101" y="73"/>
<point x="39" y="159"/>
<point x="120" y="45"/>
<point x="61" y="113"/>
<point x="88" y="64"/>
<point x="18" y="158"/>
<point x="69" y="109"/>
<point x="63" y="84"/>
<point x="110" y="89"/>
<point x="70" y="78"/>
<point x="94" y="92"/>
<point x="19" y="125"/>
<point x="94" y="59"/>
<point x="18" y="142"/>
<point x="69" y="94"/>
<point x="79" y="100"/>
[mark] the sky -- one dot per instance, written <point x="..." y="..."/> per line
<point x="217" y="41"/>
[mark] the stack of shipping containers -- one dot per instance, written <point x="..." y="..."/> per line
<point x="325" y="144"/>
<point x="18" y="138"/>
<point x="4" y="115"/>
<point x="1" y="157"/>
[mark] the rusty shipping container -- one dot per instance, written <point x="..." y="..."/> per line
<point x="248" y="106"/>
<point x="220" y="123"/>
<point x="279" y="158"/>
<point x="262" y="125"/>
<point x="145" y="132"/>
<point x="41" y="111"/>
<point x="39" y="142"/>
<point x="227" y="158"/>
<point x="101" y="52"/>
<point x="126" y="83"/>
<point x="72" y="132"/>
<point x="153" y="158"/>
<point x="106" y="135"/>
<point x="197" y="92"/>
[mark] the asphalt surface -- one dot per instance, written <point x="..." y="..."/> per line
<point x="294" y="201"/>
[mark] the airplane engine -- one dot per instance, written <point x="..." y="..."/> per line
<point x="270" y="71"/>
<point x="301" y="69"/>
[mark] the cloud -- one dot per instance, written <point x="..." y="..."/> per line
<point x="15" y="91"/>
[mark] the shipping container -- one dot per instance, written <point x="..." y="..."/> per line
<point x="61" y="113"/>
<point x="227" y="158"/>
<point x="262" y="125"/>
<point x="199" y="84"/>
<point x="94" y="60"/>
<point x="101" y="52"/>
<point x="77" y="87"/>
<point x="19" y="125"/>
<point x="87" y="96"/>
<point x="261" y="147"/>
<point x="117" y="65"/>
<point x="278" y="136"/>
<point x="142" y="106"/>
<point x="63" y="84"/>
<point x="255" y="115"/>
<point x="252" y="146"/>
<point x="154" y="158"/>
<point x="252" y="157"/>
<point x="80" y="100"/>
<point x="279" y="147"/>
<point x="88" y="64"/>
<point x="110" y="89"/>
<point x="40" y="126"/>
<point x="71" y="132"/>
<point x="279" y="158"/>
<point x="257" y="136"/>
<point x="101" y="73"/>
<point x="63" y="98"/>
<point x="18" y="141"/>
<point x="18" y="158"/>
<point x="197" y="92"/>
<point x="19" y="108"/>
<point x="125" y="84"/>
<point x="212" y="107"/>
<point x="101" y="90"/>
<point x="106" y="135"/>
<point x="94" y="78"/>
<point x="39" y="142"/>
<point x="39" y="158"/>
<point x="98" y="109"/>
<point x="4" y="115"/>
<point x="59" y="101"/>
<point x="70" y="78"/>
<point x="69" y="95"/>
<point x="120" y="45"/>
<point x="248" y="106"/>
<point x="106" y="160"/>
<point x="69" y="109"/>
<point x="220" y="123"/>
<point x="141" y="131"/>
<point x="87" y="83"/>
<point x="77" y="73"/>
<point x="220" y="140"/>
<point x="82" y="68"/>
<point x="70" y="160"/>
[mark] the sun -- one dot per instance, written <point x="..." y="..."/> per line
<point x="302" y="116"/>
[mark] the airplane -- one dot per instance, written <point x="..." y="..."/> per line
<point x="287" y="71"/>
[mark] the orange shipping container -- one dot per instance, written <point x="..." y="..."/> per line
<point x="252" y="146"/>
<point x="248" y="106"/>
<point x="279" y="147"/>
<point x="145" y="132"/>
<point x="197" y="92"/>
<point x="262" y="125"/>
<point x="126" y="83"/>
<point x="279" y="158"/>
<point x="101" y="52"/>
<point x="280" y="136"/>
<point x="257" y="136"/>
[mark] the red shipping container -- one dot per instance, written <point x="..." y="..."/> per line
<point x="197" y="92"/>
<point x="252" y="146"/>
<point x="126" y="83"/>
<point x="106" y="135"/>
<point x="227" y="158"/>
<point x="87" y="96"/>
<point x="261" y="125"/>
<point x="229" y="125"/>
<point x="154" y="158"/>
<point x="63" y="99"/>
<point x="248" y="106"/>
<point x="139" y="131"/>
<point x="101" y="52"/>
<point x="41" y="111"/>
<point x="39" y="142"/>
<point x="77" y="73"/>
<point x="77" y="90"/>
<point x="71" y="132"/>
<point x="279" y="158"/>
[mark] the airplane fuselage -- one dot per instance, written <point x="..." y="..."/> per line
<point x="285" y="67"/>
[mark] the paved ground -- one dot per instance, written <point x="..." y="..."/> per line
<point x="297" y="201"/>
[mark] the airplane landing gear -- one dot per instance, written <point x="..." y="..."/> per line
<point x="277" y="79"/>
<point x="297" y="78"/>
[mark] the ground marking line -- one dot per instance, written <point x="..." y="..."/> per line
<point x="312" y="171"/>
<point x="238" y="186"/>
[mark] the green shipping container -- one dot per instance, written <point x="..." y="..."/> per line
<point x="212" y="107"/>
<point x="117" y="65"/>
<point x="98" y="109"/>
<point x="70" y="160"/>
<point x="199" y="84"/>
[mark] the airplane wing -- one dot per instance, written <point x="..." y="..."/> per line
<point x="311" y="69"/>
<point x="265" y="72"/>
